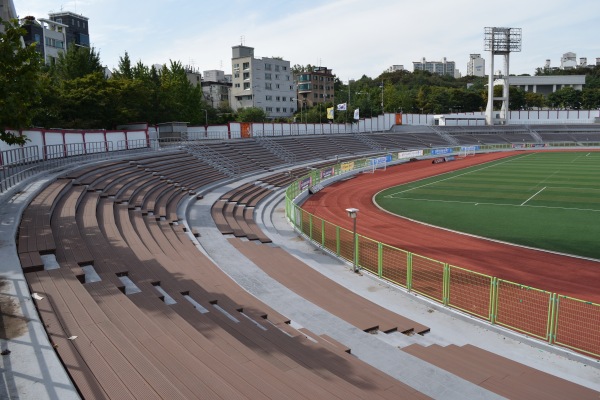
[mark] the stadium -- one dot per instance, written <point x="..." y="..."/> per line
<point x="221" y="264"/>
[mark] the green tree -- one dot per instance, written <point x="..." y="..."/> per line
<point x="566" y="97"/>
<point x="125" y="70"/>
<point x="19" y="82"/>
<point x="77" y="62"/>
<point x="251" y="114"/>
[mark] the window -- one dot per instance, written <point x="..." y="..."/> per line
<point x="276" y="76"/>
<point x="268" y="86"/>
<point x="246" y="75"/>
<point x="277" y="68"/>
<point x="269" y="109"/>
<point x="268" y="76"/>
<point x="277" y="109"/>
<point x="284" y="68"/>
<point x="277" y="86"/>
<point x="269" y="98"/>
<point x="291" y="87"/>
<point x="237" y="85"/>
<point x="236" y="75"/>
<point x="267" y="67"/>
<point x="37" y="38"/>
<point x="246" y="65"/>
<point x="287" y="77"/>
<point x="246" y="85"/>
<point x="237" y="65"/>
<point x="284" y="109"/>
<point x="277" y="98"/>
<point x="284" y="98"/>
<point x="315" y="95"/>
<point x="59" y="20"/>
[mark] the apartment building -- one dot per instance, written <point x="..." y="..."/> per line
<point x="443" y="67"/>
<point x="476" y="65"/>
<point x="77" y="27"/>
<point x="264" y="83"/>
<point x="314" y="87"/>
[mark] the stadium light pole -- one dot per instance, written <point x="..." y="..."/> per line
<point x="353" y="213"/>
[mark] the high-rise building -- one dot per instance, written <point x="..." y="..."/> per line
<point x="50" y="37"/>
<point x="314" y="87"/>
<point x="77" y="27"/>
<point x="443" y="67"/>
<point x="264" y="83"/>
<point x="476" y="65"/>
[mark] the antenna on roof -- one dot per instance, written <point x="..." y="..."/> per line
<point x="242" y="40"/>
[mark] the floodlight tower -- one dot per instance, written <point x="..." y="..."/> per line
<point x="500" y="41"/>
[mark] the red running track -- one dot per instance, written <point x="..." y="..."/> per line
<point x="564" y="275"/>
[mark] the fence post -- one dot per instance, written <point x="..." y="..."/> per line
<point x="409" y="271"/>
<point x="322" y="232"/>
<point x="380" y="259"/>
<point x="494" y="299"/>
<point x="337" y="240"/>
<point x="310" y="226"/>
<point x="356" y="252"/>
<point x="553" y="317"/>
<point x="446" y="285"/>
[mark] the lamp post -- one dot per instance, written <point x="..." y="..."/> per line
<point x="206" y="118"/>
<point x="352" y="213"/>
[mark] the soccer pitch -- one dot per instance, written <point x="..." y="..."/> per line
<point x="544" y="200"/>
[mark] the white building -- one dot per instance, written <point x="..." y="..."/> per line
<point x="264" y="83"/>
<point x="395" y="67"/>
<point x="476" y="65"/>
<point x="568" y="61"/>
<point x="546" y="84"/>
<point x="443" y="67"/>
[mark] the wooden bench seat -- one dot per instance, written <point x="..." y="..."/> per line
<point x="322" y="291"/>
<point x="498" y="374"/>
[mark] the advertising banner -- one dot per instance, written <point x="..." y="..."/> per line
<point x="327" y="173"/>
<point x="436" y="152"/>
<point x="347" y="166"/>
<point x="304" y="184"/>
<point x="410" y="154"/>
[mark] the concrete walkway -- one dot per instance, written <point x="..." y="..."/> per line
<point x="30" y="367"/>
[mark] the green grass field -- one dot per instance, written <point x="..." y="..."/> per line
<point x="544" y="200"/>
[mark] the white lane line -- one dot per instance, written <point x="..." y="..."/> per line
<point x="539" y="191"/>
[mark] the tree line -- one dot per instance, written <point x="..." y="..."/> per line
<point x="75" y="92"/>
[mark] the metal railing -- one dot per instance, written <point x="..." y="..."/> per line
<point x="277" y="149"/>
<point x="16" y="165"/>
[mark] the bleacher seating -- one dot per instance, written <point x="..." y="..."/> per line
<point x="135" y="311"/>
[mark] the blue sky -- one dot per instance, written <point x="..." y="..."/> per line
<point x="353" y="37"/>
